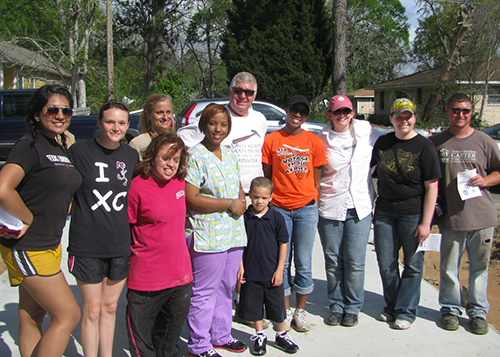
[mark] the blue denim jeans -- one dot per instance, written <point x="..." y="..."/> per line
<point x="478" y="245"/>
<point x="401" y="291"/>
<point x="301" y="225"/>
<point x="344" y="247"/>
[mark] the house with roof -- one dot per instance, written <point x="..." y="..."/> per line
<point x="419" y="86"/>
<point x="363" y="101"/>
<point x="21" y="68"/>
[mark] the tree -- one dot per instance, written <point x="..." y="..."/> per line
<point x="434" y="33"/>
<point x="36" y="19"/>
<point x="339" y="78"/>
<point x="59" y="29"/>
<point x="204" y="40"/>
<point x="153" y="26"/>
<point x="109" y="49"/>
<point x="458" y="35"/>
<point x="377" y="41"/>
<point x="78" y="18"/>
<point x="285" y="44"/>
<point x="438" y="44"/>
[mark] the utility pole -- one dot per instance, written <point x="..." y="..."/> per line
<point x="109" y="49"/>
<point x="459" y="31"/>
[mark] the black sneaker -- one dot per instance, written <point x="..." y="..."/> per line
<point x="479" y="326"/>
<point x="285" y="343"/>
<point x="450" y="322"/>
<point x="349" y="320"/>
<point x="334" y="319"/>
<point x="233" y="346"/>
<point x="210" y="353"/>
<point x="259" y="348"/>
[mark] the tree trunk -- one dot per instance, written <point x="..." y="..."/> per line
<point x="339" y="80"/>
<point x="458" y="35"/>
<point x="109" y="49"/>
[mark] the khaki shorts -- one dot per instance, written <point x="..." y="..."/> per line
<point x="22" y="263"/>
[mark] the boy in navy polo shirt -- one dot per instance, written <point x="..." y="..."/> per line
<point x="261" y="271"/>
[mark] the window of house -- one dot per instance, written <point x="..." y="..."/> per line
<point x="403" y="94"/>
<point x="382" y="100"/>
<point x="419" y="95"/>
<point x="493" y="96"/>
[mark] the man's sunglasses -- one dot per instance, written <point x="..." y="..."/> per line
<point x="53" y="111"/>
<point x="344" y="111"/>
<point x="240" y="91"/>
<point x="302" y="112"/>
<point x="457" y="111"/>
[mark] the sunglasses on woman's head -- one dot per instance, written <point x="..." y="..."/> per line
<point x="53" y="111"/>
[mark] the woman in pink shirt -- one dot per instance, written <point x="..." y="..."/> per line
<point x="160" y="276"/>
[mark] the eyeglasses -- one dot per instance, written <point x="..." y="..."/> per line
<point x="302" y="112"/>
<point x="457" y="111"/>
<point x="404" y="104"/>
<point x="240" y="91"/>
<point x="51" y="112"/>
<point x="344" y="111"/>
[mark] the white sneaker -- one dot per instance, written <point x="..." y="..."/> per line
<point x="401" y="324"/>
<point x="300" y="319"/>
<point x="288" y="320"/>
<point x="385" y="317"/>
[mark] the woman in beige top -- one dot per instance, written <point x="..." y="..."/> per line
<point x="156" y="118"/>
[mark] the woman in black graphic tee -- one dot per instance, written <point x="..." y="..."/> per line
<point x="408" y="172"/>
<point x="99" y="237"/>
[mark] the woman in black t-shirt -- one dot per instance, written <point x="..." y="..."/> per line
<point x="36" y="186"/>
<point x="99" y="236"/>
<point x="408" y="172"/>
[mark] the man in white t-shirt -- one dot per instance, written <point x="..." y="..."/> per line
<point x="248" y="128"/>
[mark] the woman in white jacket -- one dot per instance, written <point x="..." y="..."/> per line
<point x="345" y="209"/>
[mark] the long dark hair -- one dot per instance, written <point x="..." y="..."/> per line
<point x="36" y="103"/>
<point x="145" y="167"/>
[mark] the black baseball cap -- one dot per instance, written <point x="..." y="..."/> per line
<point x="298" y="98"/>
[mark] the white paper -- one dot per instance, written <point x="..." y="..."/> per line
<point x="9" y="221"/>
<point x="464" y="189"/>
<point x="431" y="244"/>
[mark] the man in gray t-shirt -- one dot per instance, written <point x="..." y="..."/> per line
<point x="467" y="223"/>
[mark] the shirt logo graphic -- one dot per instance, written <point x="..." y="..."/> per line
<point x="295" y="160"/>
<point x="121" y="175"/>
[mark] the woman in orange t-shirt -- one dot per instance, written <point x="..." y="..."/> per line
<point x="293" y="159"/>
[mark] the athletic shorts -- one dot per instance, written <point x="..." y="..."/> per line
<point x="255" y="295"/>
<point x="94" y="270"/>
<point x="23" y="263"/>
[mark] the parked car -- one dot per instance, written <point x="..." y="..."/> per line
<point x="13" y="110"/>
<point x="389" y="129"/>
<point x="275" y="115"/>
<point x="494" y="133"/>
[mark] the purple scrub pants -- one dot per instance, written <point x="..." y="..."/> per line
<point x="210" y="315"/>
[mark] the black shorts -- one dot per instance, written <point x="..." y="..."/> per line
<point x="94" y="270"/>
<point x="255" y="295"/>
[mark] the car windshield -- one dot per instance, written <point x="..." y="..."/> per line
<point x="269" y="112"/>
<point x="493" y="131"/>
